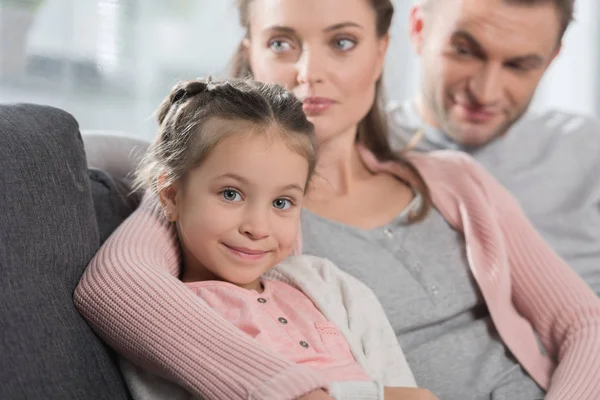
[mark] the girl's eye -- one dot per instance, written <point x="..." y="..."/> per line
<point x="282" y="204"/>
<point x="344" y="44"/>
<point x="231" y="195"/>
<point x="279" y="46"/>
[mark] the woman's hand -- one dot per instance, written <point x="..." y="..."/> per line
<point x="389" y="393"/>
<point x="399" y="393"/>
<point x="321" y="395"/>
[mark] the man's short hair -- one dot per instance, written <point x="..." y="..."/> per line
<point x="566" y="9"/>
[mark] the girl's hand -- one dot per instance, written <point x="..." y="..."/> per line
<point x="319" y="395"/>
<point x="398" y="393"/>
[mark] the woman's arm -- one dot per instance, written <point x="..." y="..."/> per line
<point x="546" y="291"/>
<point x="395" y="393"/>
<point x="130" y="296"/>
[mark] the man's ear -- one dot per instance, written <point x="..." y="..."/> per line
<point x="246" y="48"/>
<point x="417" y="23"/>
<point x="556" y="53"/>
<point x="168" y="194"/>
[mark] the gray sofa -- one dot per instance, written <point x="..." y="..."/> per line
<point x="54" y="215"/>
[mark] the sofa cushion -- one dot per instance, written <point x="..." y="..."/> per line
<point x="48" y="235"/>
<point x="116" y="154"/>
<point x="111" y="161"/>
<point x="113" y="201"/>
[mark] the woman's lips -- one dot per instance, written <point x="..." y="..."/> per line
<point x="313" y="106"/>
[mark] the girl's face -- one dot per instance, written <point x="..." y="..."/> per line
<point x="326" y="51"/>
<point x="238" y="214"/>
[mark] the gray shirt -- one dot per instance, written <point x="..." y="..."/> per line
<point x="421" y="276"/>
<point x="551" y="164"/>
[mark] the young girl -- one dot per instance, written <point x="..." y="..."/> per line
<point x="230" y="166"/>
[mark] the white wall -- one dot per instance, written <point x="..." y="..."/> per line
<point x="573" y="81"/>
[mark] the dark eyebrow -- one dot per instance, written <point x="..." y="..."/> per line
<point x="292" y="31"/>
<point x="281" y="28"/>
<point x="464" y="35"/>
<point x="343" y="25"/>
<point x="534" y="60"/>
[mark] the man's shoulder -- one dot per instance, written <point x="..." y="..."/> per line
<point x="560" y="125"/>
<point x="567" y="139"/>
<point x="402" y="114"/>
<point x="403" y="122"/>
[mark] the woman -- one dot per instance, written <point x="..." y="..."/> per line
<point x="368" y="212"/>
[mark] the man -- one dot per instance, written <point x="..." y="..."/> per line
<point x="481" y="62"/>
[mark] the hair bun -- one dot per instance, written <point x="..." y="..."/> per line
<point x="189" y="89"/>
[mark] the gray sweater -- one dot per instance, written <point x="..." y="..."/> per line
<point x="551" y="164"/>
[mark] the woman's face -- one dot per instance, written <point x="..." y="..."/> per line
<point x="326" y="51"/>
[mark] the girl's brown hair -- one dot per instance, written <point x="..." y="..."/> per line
<point x="197" y="115"/>
<point x="373" y="129"/>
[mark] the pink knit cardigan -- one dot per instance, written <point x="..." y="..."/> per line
<point x="130" y="296"/>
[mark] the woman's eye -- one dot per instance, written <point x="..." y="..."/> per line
<point x="279" y="46"/>
<point x="231" y="195"/>
<point x="282" y="204"/>
<point x="344" y="44"/>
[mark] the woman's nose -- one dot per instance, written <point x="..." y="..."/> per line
<point x="311" y="67"/>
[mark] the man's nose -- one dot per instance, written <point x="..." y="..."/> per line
<point x="486" y="85"/>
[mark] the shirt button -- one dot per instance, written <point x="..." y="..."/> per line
<point x="434" y="289"/>
<point x="304" y="344"/>
<point x="261" y="300"/>
<point x="282" y="320"/>
<point x="388" y="232"/>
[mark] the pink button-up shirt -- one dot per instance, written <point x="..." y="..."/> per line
<point x="285" y="320"/>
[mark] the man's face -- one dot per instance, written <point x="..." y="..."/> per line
<point x="481" y="63"/>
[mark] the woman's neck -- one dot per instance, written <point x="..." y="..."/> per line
<point x="345" y="190"/>
<point x="339" y="168"/>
